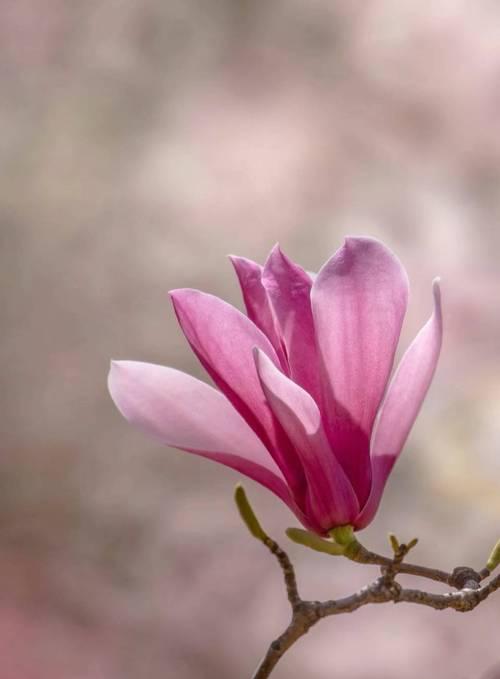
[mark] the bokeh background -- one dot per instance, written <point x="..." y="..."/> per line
<point x="140" y="142"/>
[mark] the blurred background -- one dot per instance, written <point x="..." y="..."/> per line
<point x="141" y="141"/>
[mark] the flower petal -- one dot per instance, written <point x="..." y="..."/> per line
<point x="402" y="404"/>
<point x="185" y="413"/>
<point x="289" y="289"/>
<point x="359" y="300"/>
<point x="257" y="301"/>
<point x="223" y="339"/>
<point x="331" y="499"/>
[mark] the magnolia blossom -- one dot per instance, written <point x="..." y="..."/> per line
<point x="303" y="403"/>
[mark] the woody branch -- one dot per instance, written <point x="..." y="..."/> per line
<point x="467" y="583"/>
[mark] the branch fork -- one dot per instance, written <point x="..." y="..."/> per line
<point x="467" y="582"/>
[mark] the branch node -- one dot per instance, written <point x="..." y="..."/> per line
<point x="464" y="577"/>
<point x="305" y="614"/>
<point x="484" y="573"/>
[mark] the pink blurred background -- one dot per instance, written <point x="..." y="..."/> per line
<point x="141" y="142"/>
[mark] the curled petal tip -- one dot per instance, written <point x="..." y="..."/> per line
<point x="117" y="372"/>
<point x="173" y="293"/>
<point x="257" y="359"/>
<point x="178" y="292"/>
<point x="236" y="260"/>
<point x="114" y="369"/>
<point x="436" y="288"/>
<point x="116" y="365"/>
<point x="276" y="252"/>
<point x="113" y="365"/>
<point x="436" y="291"/>
<point x="242" y="264"/>
<point x="183" y="296"/>
<point x="260" y="358"/>
<point x="350" y="239"/>
<point x="353" y="239"/>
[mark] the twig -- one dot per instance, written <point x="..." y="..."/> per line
<point x="453" y="579"/>
<point x="385" y="589"/>
<point x="305" y="614"/>
<point x="288" y="571"/>
<point x="367" y="557"/>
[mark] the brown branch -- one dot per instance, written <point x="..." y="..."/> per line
<point x="288" y="571"/>
<point x="454" y="579"/>
<point x="303" y="618"/>
<point x="305" y="614"/>
<point x="385" y="589"/>
<point x="378" y="592"/>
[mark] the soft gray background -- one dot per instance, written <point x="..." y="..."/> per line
<point x="141" y="142"/>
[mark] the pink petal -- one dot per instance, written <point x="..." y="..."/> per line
<point x="223" y="339"/>
<point x="331" y="500"/>
<point x="402" y="403"/>
<point x="359" y="300"/>
<point x="289" y="289"/>
<point x="182" y="412"/>
<point x="257" y="302"/>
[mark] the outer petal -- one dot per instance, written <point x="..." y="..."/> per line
<point x="223" y="339"/>
<point x="257" y="302"/>
<point x="402" y="404"/>
<point x="185" y="413"/>
<point x="359" y="300"/>
<point x="331" y="500"/>
<point x="289" y="289"/>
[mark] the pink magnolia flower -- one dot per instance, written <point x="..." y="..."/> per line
<point x="303" y="403"/>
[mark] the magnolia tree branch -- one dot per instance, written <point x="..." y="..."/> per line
<point x="304" y="614"/>
<point x="461" y="577"/>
